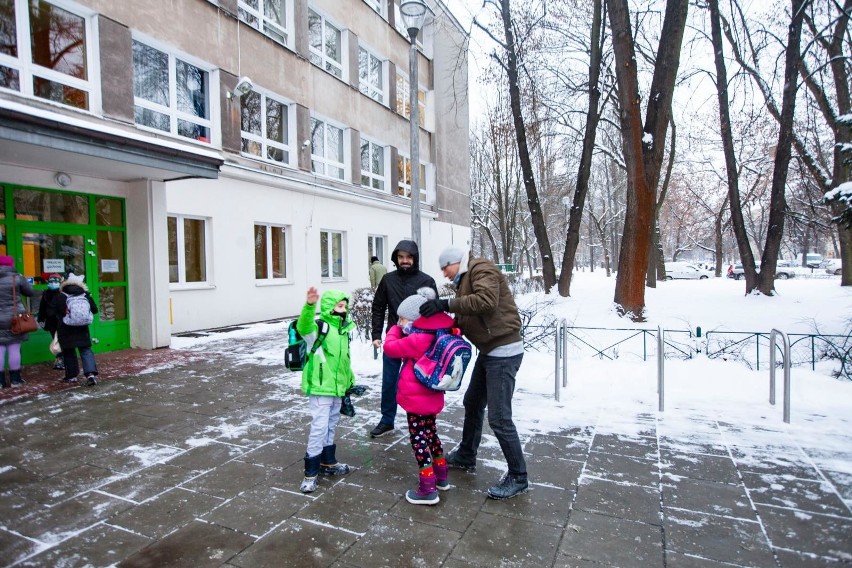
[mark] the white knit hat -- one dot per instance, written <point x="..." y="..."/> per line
<point x="450" y="255"/>
<point x="409" y="308"/>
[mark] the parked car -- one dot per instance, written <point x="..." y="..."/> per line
<point x="783" y="271"/>
<point x="686" y="270"/>
<point x="833" y="266"/>
<point x="812" y="260"/>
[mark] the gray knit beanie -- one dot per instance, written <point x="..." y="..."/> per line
<point x="450" y="255"/>
<point x="409" y="308"/>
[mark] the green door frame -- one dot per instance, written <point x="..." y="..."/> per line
<point x="107" y="334"/>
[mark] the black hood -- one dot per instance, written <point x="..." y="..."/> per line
<point x="411" y="248"/>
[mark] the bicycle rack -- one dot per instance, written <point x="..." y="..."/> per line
<point x="661" y="368"/>
<point x="560" y="357"/>
<point x="772" y="335"/>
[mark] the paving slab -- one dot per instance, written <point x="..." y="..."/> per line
<point x="195" y="459"/>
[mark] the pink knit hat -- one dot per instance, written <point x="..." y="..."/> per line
<point x="6" y="260"/>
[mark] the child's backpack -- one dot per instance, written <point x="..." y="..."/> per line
<point x="78" y="312"/>
<point x="444" y="363"/>
<point x="296" y="355"/>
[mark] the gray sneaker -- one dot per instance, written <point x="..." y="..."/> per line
<point x="381" y="429"/>
<point x="509" y="486"/>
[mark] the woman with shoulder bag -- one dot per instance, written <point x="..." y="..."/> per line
<point x="12" y="287"/>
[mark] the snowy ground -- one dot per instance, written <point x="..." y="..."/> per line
<point x="610" y="394"/>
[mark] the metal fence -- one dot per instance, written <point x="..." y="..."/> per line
<point x="753" y="347"/>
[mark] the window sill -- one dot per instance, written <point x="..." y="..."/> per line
<point x="193" y="286"/>
<point x="276" y="282"/>
<point x="336" y="279"/>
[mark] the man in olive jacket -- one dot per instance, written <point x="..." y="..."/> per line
<point x="393" y="288"/>
<point x="487" y="315"/>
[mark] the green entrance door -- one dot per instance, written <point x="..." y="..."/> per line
<point x="57" y="232"/>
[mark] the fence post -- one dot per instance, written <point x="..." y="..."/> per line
<point x="557" y="349"/>
<point x="564" y="353"/>
<point x="661" y="365"/>
<point x="787" y="385"/>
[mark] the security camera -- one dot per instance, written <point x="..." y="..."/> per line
<point x="244" y="86"/>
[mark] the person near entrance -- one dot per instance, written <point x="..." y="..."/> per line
<point x="395" y="287"/>
<point x="47" y="315"/>
<point x="78" y="307"/>
<point x="486" y="313"/>
<point x="12" y="287"/>
<point x="377" y="271"/>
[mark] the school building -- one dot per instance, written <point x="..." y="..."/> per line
<point x="202" y="162"/>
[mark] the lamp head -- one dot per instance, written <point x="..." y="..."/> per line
<point x="244" y="86"/>
<point x="413" y="15"/>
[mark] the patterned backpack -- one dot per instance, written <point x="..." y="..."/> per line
<point x="443" y="365"/>
<point x="78" y="312"/>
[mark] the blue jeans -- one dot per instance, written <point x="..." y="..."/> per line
<point x="492" y="385"/>
<point x="390" y="378"/>
<point x="70" y="357"/>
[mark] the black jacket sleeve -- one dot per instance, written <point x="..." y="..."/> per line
<point x="380" y="306"/>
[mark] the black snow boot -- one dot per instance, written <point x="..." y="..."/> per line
<point x="329" y="464"/>
<point x="312" y="468"/>
<point x="15" y="378"/>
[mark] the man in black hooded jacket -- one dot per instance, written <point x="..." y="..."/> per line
<point x="393" y="289"/>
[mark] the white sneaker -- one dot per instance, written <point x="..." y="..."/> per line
<point x="309" y="485"/>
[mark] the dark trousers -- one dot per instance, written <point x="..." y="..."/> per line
<point x="492" y="385"/>
<point x="70" y="357"/>
<point x="390" y="378"/>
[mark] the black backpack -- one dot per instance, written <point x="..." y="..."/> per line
<point x="296" y="355"/>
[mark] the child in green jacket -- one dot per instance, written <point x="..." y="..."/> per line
<point x="325" y="379"/>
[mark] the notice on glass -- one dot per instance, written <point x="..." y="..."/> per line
<point x="109" y="265"/>
<point x="54" y="265"/>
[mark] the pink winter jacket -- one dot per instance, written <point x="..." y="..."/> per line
<point x="411" y="395"/>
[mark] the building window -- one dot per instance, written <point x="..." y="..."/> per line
<point x="270" y="252"/>
<point x="403" y="166"/>
<point x="376" y="247"/>
<point x="371" y="74"/>
<point x="403" y="103"/>
<point x="327" y="157"/>
<point x="269" y="16"/>
<point x="187" y="249"/>
<point x="50" y="59"/>
<point x="331" y="254"/>
<point x="373" y="171"/>
<point x="170" y="94"/>
<point x="377" y="5"/>
<point x="326" y="44"/>
<point x="264" y="128"/>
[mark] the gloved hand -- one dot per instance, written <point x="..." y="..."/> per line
<point x="432" y="307"/>
<point x="357" y="390"/>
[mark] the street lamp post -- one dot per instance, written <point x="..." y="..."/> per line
<point x="414" y="16"/>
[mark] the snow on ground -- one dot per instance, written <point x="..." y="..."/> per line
<point x="619" y="395"/>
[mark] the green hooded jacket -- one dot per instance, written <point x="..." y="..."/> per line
<point x="328" y="372"/>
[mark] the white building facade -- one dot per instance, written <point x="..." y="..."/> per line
<point x="203" y="164"/>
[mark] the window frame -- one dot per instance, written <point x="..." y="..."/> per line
<point x="271" y="279"/>
<point x="264" y="141"/>
<point x="180" y="236"/>
<point x="326" y="162"/>
<point x="403" y="104"/>
<point x="263" y="21"/>
<point x="379" y="6"/>
<point x="174" y="114"/>
<point x="425" y="180"/>
<point x="28" y="70"/>
<point x="325" y="61"/>
<point x="328" y="235"/>
<point x="380" y="93"/>
<point x="384" y="178"/>
<point x="376" y="246"/>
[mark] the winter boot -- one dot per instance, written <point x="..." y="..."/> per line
<point x="441" y="473"/>
<point x="312" y="466"/>
<point x="3" y="379"/>
<point x="509" y="486"/>
<point x="15" y="378"/>
<point x="426" y="492"/>
<point x="453" y="460"/>
<point x="59" y="363"/>
<point x="329" y="464"/>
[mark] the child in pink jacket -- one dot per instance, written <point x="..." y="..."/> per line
<point x="409" y="340"/>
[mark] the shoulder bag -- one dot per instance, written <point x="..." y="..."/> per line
<point x="24" y="322"/>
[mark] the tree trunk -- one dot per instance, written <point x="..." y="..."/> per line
<point x="778" y="203"/>
<point x="536" y="216"/>
<point x="737" y="220"/>
<point x="575" y="216"/>
<point x="643" y="165"/>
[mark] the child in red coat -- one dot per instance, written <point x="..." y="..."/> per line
<point x="409" y="340"/>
